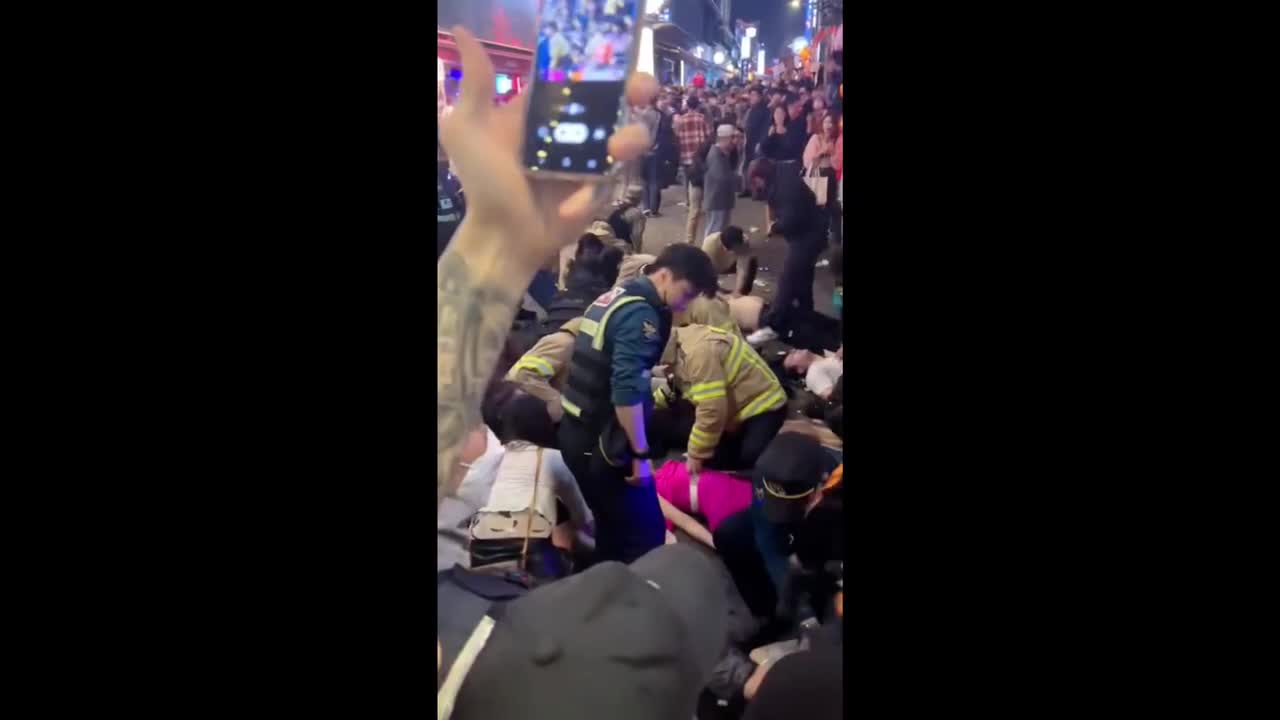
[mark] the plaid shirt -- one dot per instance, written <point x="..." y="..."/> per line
<point x="691" y="132"/>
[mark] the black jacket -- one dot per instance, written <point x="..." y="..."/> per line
<point x="794" y="208"/>
<point x="757" y="123"/>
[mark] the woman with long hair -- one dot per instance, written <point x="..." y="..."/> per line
<point x="818" y="158"/>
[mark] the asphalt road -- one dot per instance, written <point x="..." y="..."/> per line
<point x="748" y="215"/>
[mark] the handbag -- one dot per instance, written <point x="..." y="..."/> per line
<point x="502" y="539"/>
<point x="818" y="183"/>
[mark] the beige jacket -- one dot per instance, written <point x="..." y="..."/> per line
<point x="727" y="382"/>
<point x="542" y="371"/>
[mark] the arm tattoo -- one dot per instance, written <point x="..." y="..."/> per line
<point x="473" y="317"/>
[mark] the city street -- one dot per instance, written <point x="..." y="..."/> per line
<point x="747" y="214"/>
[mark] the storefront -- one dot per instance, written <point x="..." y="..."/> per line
<point x="512" y="67"/>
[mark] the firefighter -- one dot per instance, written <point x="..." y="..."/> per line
<point x="608" y="399"/>
<point x="738" y="405"/>
<point x="541" y="372"/>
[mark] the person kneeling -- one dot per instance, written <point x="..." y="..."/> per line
<point x="738" y="403"/>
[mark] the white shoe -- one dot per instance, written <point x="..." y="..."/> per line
<point x="761" y="336"/>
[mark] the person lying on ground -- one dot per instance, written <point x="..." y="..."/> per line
<point x="820" y="373"/>
<point x="711" y="494"/>
<point x="481" y="275"/>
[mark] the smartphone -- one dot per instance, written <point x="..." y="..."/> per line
<point x="586" y="50"/>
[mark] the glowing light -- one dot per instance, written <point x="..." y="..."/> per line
<point x="760" y="62"/>
<point x="542" y="153"/>
<point x="799" y="44"/>
<point x="718" y="57"/>
<point x="565" y="91"/>
<point x="751" y="32"/>
<point x="653" y="6"/>
<point x="645" y="61"/>
<point x="745" y="50"/>
<point x="439" y="70"/>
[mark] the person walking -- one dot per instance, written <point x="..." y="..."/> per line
<point x="719" y="183"/>
<point x="692" y="132"/>
<point x="651" y="118"/>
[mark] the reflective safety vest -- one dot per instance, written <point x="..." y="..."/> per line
<point x="588" y="391"/>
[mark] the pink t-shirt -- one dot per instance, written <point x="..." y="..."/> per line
<point x="719" y="495"/>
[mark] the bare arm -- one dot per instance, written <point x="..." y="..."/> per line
<point x="475" y="305"/>
<point x="686" y="523"/>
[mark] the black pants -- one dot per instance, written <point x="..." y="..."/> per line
<point x="738" y="450"/>
<point x="795" y="286"/>
<point x="736" y="543"/>
<point x="629" y="521"/>
<point x="652" y="182"/>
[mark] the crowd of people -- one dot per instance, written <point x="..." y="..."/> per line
<point x="585" y="40"/>
<point x="638" y="515"/>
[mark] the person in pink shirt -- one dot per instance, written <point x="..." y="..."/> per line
<point x="711" y="494"/>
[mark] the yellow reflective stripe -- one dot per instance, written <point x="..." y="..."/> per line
<point x="597" y="341"/>
<point x="588" y="327"/>
<point x="536" y="364"/>
<point x="768" y="401"/>
<point x="569" y="407"/>
<point x="708" y="395"/>
<point x="757" y="361"/>
<point x="735" y="359"/>
<point x="659" y="399"/>
<point x="701" y="440"/>
<point x="700" y="387"/>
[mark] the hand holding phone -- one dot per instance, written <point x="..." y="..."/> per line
<point x="576" y="102"/>
<point x="483" y="142"/>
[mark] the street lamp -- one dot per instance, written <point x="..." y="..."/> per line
<point x="795" y="4"/>
<point x="718" y="57"/>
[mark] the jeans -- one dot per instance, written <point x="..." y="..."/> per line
<point x="652" y="182"/>
<point x="717" y="220"/>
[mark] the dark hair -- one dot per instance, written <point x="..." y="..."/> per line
<point x="762" y="168"/>
<point x="791" y="99"/>
<point x="493" y="405"/>
<point x="688" y="262"/>
<point x="731" y="237"/>
<point x="526" y="418"/>
<point x="692" y="102"/>
<point x="589" y="244"/>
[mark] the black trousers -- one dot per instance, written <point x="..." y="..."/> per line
<point x="795" y="286"/>
<point x="629" y="520"/>
<point x="738" y="450"/>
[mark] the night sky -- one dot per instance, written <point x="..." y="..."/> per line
<point x="779" y="23"/>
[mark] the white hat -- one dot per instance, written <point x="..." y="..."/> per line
<point x="725" y="131"/>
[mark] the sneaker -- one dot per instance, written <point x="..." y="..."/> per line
<point x="655" y="213"/>
<point x="761" y="336"/>
<point x="647" y="213"/>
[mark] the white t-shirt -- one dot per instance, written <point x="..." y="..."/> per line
<point x="823" y="374"/>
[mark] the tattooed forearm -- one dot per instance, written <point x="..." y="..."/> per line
<point x="474" y="310"/>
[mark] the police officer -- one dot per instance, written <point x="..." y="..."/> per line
<point x="608" y="398"/>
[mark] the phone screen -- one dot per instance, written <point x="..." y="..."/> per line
<point x="580" y="70"/>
